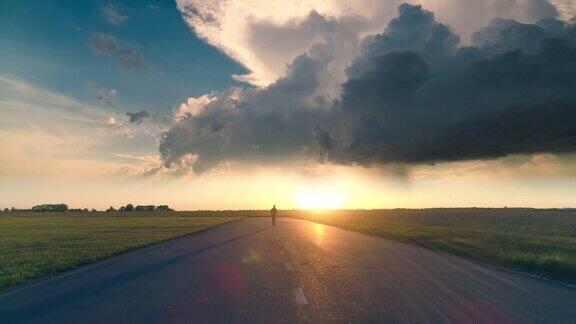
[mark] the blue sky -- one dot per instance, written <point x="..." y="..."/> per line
<point x="47" y="43"/>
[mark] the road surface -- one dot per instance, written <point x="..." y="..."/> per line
<point x="247" y="271"/>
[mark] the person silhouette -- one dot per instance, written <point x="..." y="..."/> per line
<point x="273" y="213"/>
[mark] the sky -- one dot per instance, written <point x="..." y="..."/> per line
<point x="241" y="104"/>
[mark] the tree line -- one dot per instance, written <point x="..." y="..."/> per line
<point x="130" y="207"/>
<point x="64" y="208"/>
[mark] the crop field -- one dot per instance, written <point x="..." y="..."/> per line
<point x="542" y="242"/>
<point x="39" y="244"/>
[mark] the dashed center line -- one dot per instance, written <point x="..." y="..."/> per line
<point x="288" y="266"/>
<point x="300" y="298"/>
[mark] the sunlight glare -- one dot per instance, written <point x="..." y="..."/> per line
<point x="319" y="233"/>
<point x="320" y="199"/>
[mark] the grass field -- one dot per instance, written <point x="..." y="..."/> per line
<point x="537" y="241"/>
<point x="35" y="245"/>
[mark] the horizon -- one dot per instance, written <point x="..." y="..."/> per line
<point x="312" y="210"/>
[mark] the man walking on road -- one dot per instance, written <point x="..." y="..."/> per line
<point x="273" y="213"/>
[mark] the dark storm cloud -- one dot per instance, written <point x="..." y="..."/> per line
<point x="138" y="117"/>
<point x="412" y="95"/>
<point x="126" y="54"/>
<point x="253" y="124"/>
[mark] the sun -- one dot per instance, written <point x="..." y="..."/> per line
<point x="320" y="199"/>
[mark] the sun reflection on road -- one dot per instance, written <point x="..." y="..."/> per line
<point x="319" y="233"/>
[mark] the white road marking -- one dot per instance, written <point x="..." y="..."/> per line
<point x="300" y="298"/>
<point x="288" y="266"/>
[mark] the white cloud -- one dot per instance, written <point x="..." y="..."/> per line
<point x="20" y="88"/>
<point x="113" y="15"/>
<point x="265" y="36"/>
<point x="566" y="8"/>
<point x="193" y="107"/>
<point x="28" y="102"/>
<point x="114" y="123"/>
<point x="262" y="35"/>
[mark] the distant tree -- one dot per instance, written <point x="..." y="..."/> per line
<point x="145" y="208"/>
<point x="6" y="209"/>
<point x="111" y="209"/>
<point x="12" y="209"/>
<point x="122" y="208"/>
<point x="163" y="208"/>
<point x="50" y="208"/>
<point x="39" y="208"/>
<point x="129" y="207"/>
<point x="93" y="210"/>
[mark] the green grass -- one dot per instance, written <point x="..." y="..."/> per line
<point x="541" y="242"/>
<point x="35" y="245"/>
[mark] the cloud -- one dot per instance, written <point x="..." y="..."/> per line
<point x="566" y="9"/>
<point x="124" y="53"/>
<point x="250" y="125"/>
<point x="22" y="98"/>
<point x="107" y="96"/>
<point x="413" y="94"/>
<point x="265" y="36"/>
<point x="113" y="15"/>
<point x="193" y="107"/>
<point x="138" y="117"/>
<point x="114" y="123"/>
<point x="45" y="134"/>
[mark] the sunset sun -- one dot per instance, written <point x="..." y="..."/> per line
<point x="320" y="199"/>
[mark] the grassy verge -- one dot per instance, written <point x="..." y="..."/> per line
<point x="33" y="245"/>
<point x="541" y="242"/>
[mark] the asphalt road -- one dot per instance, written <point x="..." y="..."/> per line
<point x="247" y="271"/>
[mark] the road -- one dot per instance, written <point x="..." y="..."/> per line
<point x="247" y="271"/>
